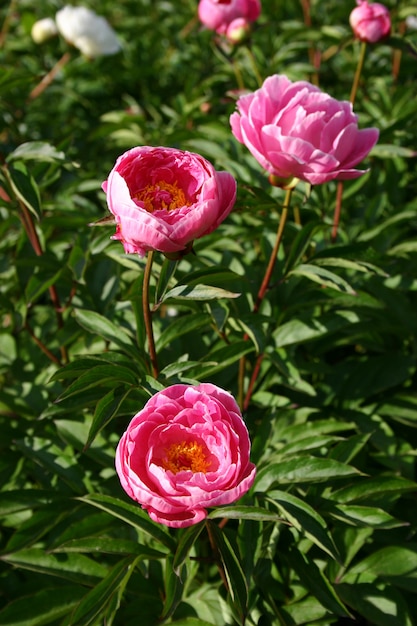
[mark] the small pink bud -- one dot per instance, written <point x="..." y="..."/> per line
<point x="370" y="22"/>
<point x="238" y="30"/>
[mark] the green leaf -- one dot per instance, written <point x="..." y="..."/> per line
<point x="303" y="469"/>
<point x="43" y="607"/>
<point x="364" y="516"/>
<point x="255" y="513"/>
<point x="220" y="359"/>
<point x="316" y="582"/>
<point x="100" y="375"/>
<point x="185" y="544"/>
<point x="323" y="277"/>
<point x="305" y="519"/>
<point x="298" y="330"/>
<point x="132" y="515"/>
<point x="198" y="292"/>
<point x="174" y="587"/>
<point x="106" y="545"/>
<point x="74" y="567"/>
<point x="396" y="565"/>
<point x="94" y="603"/>
<point x="380" y="607"/>
<point x="35" y="150"/>
<point x="25" y="188"/>
<point x="181" y="326"/>
<point x="378" y="488"/>
<point x="106" y="409"/>
<point x="236" y="582"/>
<point x="99" y="325"/>
<point x="39" y="283"/>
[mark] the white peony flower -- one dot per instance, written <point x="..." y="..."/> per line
<point x="411" y="22"/>
<point x="43" y="30"/>
<point x="87" y="31"/>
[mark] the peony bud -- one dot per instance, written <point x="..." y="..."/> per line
<point x="44" y="29"/>
<point x="370" y="22"/>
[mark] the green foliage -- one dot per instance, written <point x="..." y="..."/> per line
<point x="325" y="369"/>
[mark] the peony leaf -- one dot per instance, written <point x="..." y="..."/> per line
<point x="198" y="292"/>
<point x="245" y="512"/>
<point x="186" y="542"/>
<point x="316" y="582"/>
<point x="304" y="469"/>
<point x="95" y="601"/>
<point x="323" y="277"/>
<point x="132" y="515"/>
<point x="236" y="582"/>
<point x="36" y="150"/>
<point x="305" y="519"/>
<point x="44" y="607"/>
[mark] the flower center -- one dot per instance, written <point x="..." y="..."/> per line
<point x="187" y="455"/>
<point x="162" y="195"/>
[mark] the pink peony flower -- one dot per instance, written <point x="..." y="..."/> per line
<point x="164" y="198"/>
<point x="370" y="22"/>
<point x="297" y="132"/>
<point x="218" y="15"/>
<point x="186" y="450"/>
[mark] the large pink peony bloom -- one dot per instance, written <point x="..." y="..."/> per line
<point x="186" y="450"/>
<point x="218" y="16"/>
<point x="370" y="22"/>
<point x="296" y="131"/>
<point x="164" y="198"/>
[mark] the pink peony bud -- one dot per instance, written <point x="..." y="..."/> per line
<point x="218" y="16"/>
<point x="370" y="22"/>
<point x="185" y="451"/>
<point x="296" y="131"/>
<point x="238" y="30"/>
<point x="164" y="198"/>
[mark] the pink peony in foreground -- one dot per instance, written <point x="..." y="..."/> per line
<point x="186" y="450"/>
<point x="297" y="132"/>
<point x="370" y="21"/>
<point x="220" y="16"/>
<point x="164" y="198"/>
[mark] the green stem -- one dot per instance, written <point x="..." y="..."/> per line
<point x="339" y="189"/>
<point x="147" y="316"/>
<point x="274" y="254"/>
<point x="261" y="294"/>
<point x="358" y="72"/>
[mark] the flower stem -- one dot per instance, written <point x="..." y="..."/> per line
<point x="339" y="189"/>
<point x="147" y="316"/>
<point x="274" y="254"/>
<point x="244" y="403"/>
<point x="358" y="72"/>
<point x="49" y="77"/>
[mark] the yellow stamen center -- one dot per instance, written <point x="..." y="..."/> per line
<point x="187" y="455"/>
<point x="162" y="195"/>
